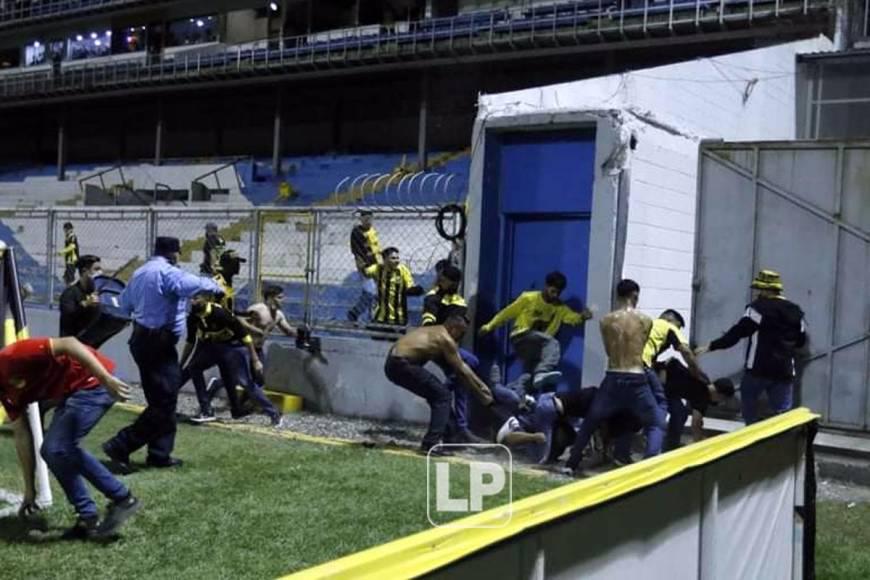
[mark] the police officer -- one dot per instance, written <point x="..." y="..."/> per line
<point x="156" y="298"/>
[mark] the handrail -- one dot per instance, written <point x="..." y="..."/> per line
<point x="100" y="174"/>
<point x="543" y="22"/>
<point x="216" y="170"/>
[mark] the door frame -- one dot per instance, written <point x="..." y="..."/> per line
<point x="604" y="241"/>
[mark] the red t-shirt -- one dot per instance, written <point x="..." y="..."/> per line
<point x="46" y="377"/>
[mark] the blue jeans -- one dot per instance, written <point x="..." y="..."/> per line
<point x="622" y="392"/>
<point x="779" y="395"/>
<point x="235" y="365"/>
<point x="459" y="413"/>
<point x="71" y="465"/>
<point x="622" y="445"/>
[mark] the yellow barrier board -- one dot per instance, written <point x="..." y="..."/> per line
<point x="430" y="550"/>
<point x="284" y="402"/>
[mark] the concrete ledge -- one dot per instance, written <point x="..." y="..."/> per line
<point x="347" y="378"/>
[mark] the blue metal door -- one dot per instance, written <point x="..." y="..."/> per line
<point x="537" y="200"/>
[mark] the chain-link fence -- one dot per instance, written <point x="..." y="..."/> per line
<point x="307" y="252"/>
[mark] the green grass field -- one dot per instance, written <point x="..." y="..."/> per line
<point x="843" y="541"/>
<point x="249" y="505"/>
<point x="243" y="506"/>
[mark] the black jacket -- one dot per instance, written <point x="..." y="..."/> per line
<point x="776" y="329"/>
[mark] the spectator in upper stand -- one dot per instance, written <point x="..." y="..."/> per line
<point x="79" y="302"/>
<point x="538" y="315"/>
<point x="70" y="253"/>
<point x="395" y="284"/>
<point x="776" y="330"/>
<point x="366" y="249"/>
<point x="212" y="249"/>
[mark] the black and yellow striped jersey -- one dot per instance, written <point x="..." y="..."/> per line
<point x="365" y="246"/>
<point x="438" y="306"/>
<point x="394" y="287"/>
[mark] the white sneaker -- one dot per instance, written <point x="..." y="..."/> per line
<point x="545" y="379"/>
<point x="512" y="425"/>
<point x="203" y="418"/>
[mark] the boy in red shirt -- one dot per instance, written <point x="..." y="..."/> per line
<point x="64" y="370"/>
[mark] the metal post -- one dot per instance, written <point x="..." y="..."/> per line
<point x="158" y="135"/>
<point x="276" y="135"/>
<point x="61" y="149"/>
<point x="421" y="129"/>
<point x="49" y="255"/>
<point x="255" y="255"/>
<point x="709" y="511"/>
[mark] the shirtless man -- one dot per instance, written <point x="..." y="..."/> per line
<point x="404" y="367"/>
<point x="259" y="320"/>
<point x="625" y="386"/>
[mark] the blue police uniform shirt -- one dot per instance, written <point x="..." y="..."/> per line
<point x="157" y="294"/>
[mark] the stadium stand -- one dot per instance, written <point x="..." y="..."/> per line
<point x="508" y="29"/>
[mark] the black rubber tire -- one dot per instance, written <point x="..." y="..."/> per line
<point x="451" y="208"/>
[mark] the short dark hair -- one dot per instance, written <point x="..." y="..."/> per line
<point x="724" y="387"/>
<point x="452" y="273"/>
<point x="626" y="288"/>
<point x="675" y="315"/>
<point x="272" y="290"/>
<point x="364" y="212"/>
<point x="556" y="280"/>
<point x="388" y="251"/>
<point x="67" y="226"/>
<point x="86" y="261"/>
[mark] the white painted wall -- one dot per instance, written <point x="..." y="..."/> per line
<point x="669" y="109"/>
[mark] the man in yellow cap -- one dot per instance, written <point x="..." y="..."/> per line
<point x="776" y="329"/>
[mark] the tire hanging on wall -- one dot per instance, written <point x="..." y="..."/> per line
<point x="447" y="212"/>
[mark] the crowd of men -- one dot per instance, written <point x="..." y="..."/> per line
<point x="645" y="389"/>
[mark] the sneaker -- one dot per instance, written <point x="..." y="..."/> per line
<point x="277" y="421"/>
<point x="435" y="451"/>
<point x="570" y="472"/>
<point x="622" y="461"/>
<point x="203" y="418"/>
<point x="467" y="436"/>
<point x="512" y="425"/>
<point x="163" y="463"/>
<point x="85" y="528"/>
<point x="120" y="461"/>
<point x="118" y="513"/>
<point x="542" y="380"/>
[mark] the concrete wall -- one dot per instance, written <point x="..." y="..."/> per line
<point x="244" y="26"/>
<point x="668" y="110"/>
<point x="347" y="379"/>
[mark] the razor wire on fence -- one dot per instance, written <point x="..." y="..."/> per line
<point x="306" y="252"/>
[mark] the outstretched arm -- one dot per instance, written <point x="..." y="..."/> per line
<point x="74" y="349"/>
<point x="451" y="356"/>
<point x="510" y="312"/>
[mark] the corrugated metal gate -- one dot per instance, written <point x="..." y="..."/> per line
<point x="803" y="209"/>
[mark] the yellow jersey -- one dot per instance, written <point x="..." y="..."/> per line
<point x="531" y="312"/>
<point x="662" y="336"/>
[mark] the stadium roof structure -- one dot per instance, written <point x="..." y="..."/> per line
<point x="588" y="26"/>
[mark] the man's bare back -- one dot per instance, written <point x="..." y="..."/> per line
<point x="625" y="333"/>
<point x="424" y="344"/>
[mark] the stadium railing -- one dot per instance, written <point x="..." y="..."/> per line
<point x="498" y="30"/>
